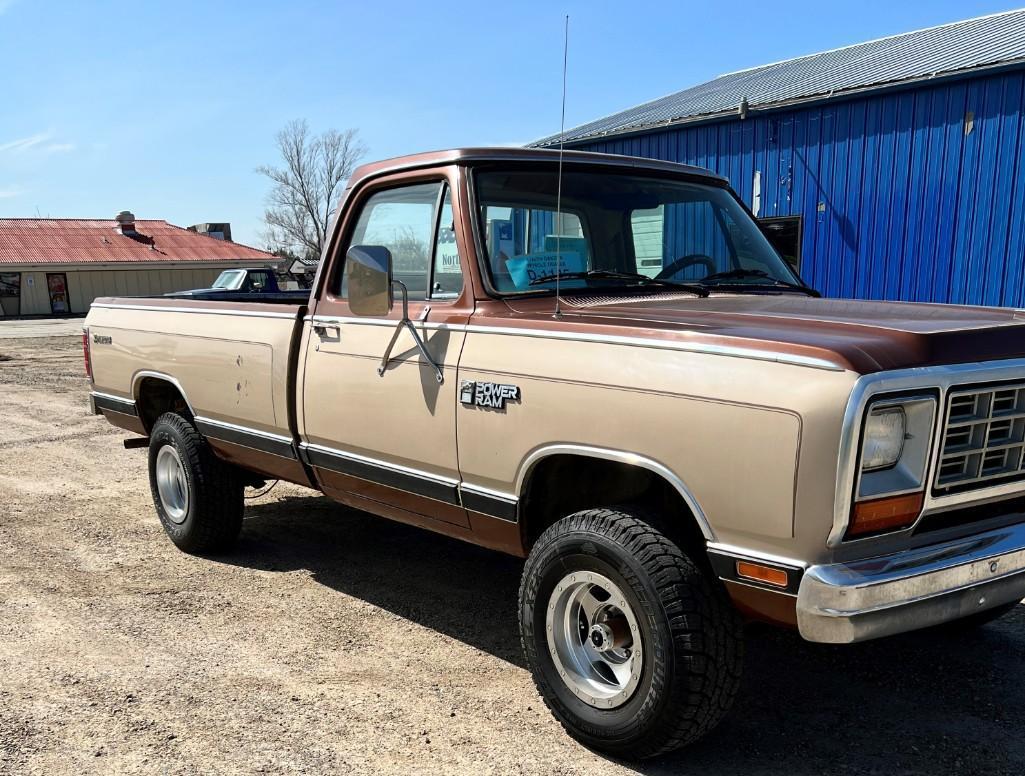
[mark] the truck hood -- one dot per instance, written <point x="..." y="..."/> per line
<point x="858" y="335"/>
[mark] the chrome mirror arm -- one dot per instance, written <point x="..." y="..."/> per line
<point x="408" y="324"/>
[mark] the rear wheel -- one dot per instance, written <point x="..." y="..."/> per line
<point x="197" y="496"/>
<point x="634" y="648"/>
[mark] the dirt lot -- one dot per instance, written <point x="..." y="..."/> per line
<point x="333" y="642"/>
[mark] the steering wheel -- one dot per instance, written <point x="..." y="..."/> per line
<point x="683" y="262"/>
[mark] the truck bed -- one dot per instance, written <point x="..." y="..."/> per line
<point x="280" y="297"/>
<point x="230" y="357"/>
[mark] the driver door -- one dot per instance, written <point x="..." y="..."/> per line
<point x="387" y="442"/>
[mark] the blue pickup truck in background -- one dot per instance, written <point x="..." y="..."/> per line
<point x="245" y="280"/>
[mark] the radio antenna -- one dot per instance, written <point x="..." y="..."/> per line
<point x="558" y="192"/>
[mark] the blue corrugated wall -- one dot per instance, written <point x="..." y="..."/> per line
<point x="911" y="195"/>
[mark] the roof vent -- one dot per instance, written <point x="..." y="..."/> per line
<point x="219" y="231"/>
<point x="125" y="222"/>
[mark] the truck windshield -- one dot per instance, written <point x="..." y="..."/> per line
<point x="230" y="279"/>
<point x="664" y="228"/>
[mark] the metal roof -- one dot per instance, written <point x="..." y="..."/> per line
<point x="984" y="42"/>
<point x="97" y="241"/>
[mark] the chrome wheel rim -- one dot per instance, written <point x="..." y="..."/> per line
<point x="594" y="639"/>
<point x="172" y="484"/>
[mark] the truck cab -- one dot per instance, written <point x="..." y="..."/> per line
<point x="244" y="280"/>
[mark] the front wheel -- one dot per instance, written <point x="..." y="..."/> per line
<point x="198" y="497"/>
<point x="633" y="647"/>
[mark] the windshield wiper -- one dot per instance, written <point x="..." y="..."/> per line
<point x="636" y="277"/>
<point x="766" y="281"/>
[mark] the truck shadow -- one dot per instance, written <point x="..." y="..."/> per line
<point x="452" y="587"/>
<point x="918" y="703"/>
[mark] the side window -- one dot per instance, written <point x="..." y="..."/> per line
<point x="687" y="235"/>
<point x="522" y="243"/>
<point x="258" y="280"/>
<point x="402" y="220"/>
<point x="647" y="228"/>
<point x="447" y="278"/>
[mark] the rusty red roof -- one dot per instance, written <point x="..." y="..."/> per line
<point x="98" y="241"/>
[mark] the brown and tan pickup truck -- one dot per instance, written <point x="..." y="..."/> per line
<point x="609" y="372"/>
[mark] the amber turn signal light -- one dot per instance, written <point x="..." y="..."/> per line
<point x="885" y="514"/>
<point x="758" y="573"/>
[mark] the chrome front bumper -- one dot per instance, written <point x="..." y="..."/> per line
<point x="845" y="602"/>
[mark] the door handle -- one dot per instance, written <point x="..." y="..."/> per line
<point x="323" y="328"/>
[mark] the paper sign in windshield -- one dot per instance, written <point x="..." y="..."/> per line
<point x="530" y="267"/>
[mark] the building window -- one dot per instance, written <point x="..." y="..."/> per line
<point x="10" y="293"/>
<point x="784" y="234"/>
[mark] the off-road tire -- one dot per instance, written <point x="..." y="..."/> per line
<point x="214" y="516"/>
<point x="691" y="634"/>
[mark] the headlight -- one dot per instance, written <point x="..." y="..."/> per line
<point x="895" y="443"/>
<point x="885" y="429"/>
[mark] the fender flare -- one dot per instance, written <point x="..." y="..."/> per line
<point x="621" y="456"/>
<point x="143" y="374"/>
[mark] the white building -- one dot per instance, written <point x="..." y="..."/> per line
<point x="57" y="266"/>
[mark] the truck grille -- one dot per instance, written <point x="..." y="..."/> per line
<point x="984" y="437"/>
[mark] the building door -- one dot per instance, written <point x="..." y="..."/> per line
<point x="10" y="293"/>
<point x="785" y="236"/>
<point x="57" y="285"/>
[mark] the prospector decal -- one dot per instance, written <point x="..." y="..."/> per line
<point x="493" y="395"/>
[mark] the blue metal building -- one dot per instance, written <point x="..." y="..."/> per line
<point x="891" y="169"/>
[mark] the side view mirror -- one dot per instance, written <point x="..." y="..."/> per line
<point x="368" y="270"/>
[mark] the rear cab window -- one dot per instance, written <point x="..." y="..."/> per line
<point x="523" y="242"/>
<point x="523" y="234"/>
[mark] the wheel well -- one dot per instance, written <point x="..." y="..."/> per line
<point x="157" y="396"/>
<point x="562" y="484"/>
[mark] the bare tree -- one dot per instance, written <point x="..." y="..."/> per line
<point x="307" y="187"/>
<point x="409" y="251"/>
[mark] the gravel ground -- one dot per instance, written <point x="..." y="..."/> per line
<point x="334" y="642"/>
<point x="20" y="328"/>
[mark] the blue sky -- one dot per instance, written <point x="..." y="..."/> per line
<point x="167" y="108"/>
